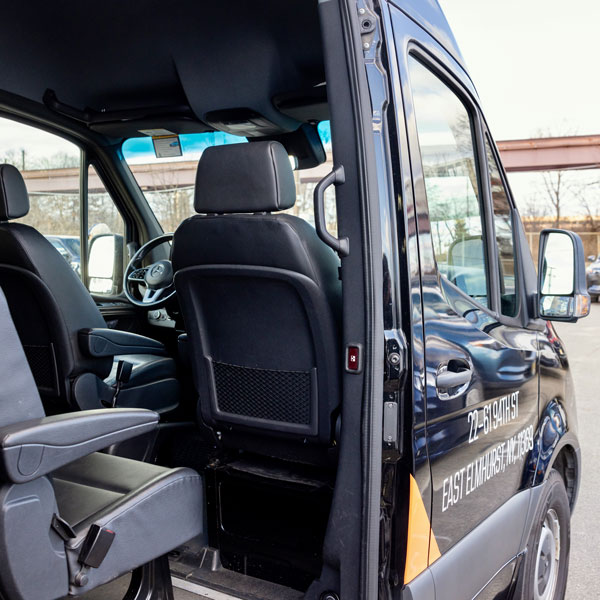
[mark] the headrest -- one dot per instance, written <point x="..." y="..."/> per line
<point x="14" y="201"/>
<point x="244" y="178"/>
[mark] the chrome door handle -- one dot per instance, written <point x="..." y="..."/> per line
<point x="450" y="379"/>
<point x="453" y="378"/>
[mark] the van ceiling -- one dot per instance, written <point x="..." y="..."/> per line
<point x="115" y="55"/>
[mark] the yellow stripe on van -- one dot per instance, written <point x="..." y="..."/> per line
<point x="421" y="546"/>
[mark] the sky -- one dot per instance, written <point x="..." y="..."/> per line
<point x="535" y="66"/>
<point x="533" y="62"/>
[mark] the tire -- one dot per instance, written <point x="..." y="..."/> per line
<point x="544" y="572"/>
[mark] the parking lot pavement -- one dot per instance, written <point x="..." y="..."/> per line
<point x="582" y="341"/>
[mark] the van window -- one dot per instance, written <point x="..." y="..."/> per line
<point x="103" y="218"/>
<point x="507" y="264"/>
<point x="446" y="137"/>
<point x="50" y="166"/>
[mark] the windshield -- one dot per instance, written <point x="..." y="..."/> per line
<point x="168" y="183"/>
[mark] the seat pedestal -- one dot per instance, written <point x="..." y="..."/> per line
<point x="151" y="582"/>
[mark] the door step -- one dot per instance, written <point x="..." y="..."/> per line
<point x="199" y="571"/>
<point x="200" y="590"/>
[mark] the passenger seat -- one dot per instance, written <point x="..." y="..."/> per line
<point x="67" y="344"/>
<point x="71" y="518"/>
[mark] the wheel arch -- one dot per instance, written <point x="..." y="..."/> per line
<point x="566" y="461"/>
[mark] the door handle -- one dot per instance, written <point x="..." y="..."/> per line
<point x="449" y="379"/>
<point x="451" y="375"/>
<point x="336" y="177"/>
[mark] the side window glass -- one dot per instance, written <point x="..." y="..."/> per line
<point x="106" y="239"/>
<point x="446" y="142"/>
<point x="50" y="167"/>
<point x="507" y="264"/>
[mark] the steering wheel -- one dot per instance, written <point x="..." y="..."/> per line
<point x="157" y="278"/>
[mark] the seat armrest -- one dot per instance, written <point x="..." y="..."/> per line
<point x="101" y="342"/>
<point x="37" y="447"/>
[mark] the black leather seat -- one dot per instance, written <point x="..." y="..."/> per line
<point x="72" y="519"/>
<point x="260" y="296"/>
<point x="52" y="310"/>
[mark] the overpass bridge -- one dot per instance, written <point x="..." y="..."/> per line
<point x="540" y="154"/>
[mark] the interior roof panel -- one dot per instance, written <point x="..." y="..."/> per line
<point x="116" y="55"/>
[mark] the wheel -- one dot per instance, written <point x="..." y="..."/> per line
<point x="546" y="566"/>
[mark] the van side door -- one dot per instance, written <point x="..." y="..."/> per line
<point x="481" y="374"/>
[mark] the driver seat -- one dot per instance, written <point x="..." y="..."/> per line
<point x="260" y="296"/>
<point x="72" y="354"/>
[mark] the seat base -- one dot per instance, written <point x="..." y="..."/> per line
<point x="151" y="509"/>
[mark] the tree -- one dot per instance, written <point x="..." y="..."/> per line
<point x="58" y="160"/>
<point x="590" y="204"/>
<point x="532" y="208"/>
<point x="555" y="186"/>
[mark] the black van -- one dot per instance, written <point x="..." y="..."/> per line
<point x="338" y="378"/>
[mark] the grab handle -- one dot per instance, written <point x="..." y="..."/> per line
<point x="336" y="177"/>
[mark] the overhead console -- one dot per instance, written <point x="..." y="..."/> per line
<point x="304" y="144"/>
<point x="241" y="121"/>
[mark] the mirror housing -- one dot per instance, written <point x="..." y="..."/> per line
<point x="591" y="258"/>
<point x="562" y="290"/>
<point x="105" y="264"/>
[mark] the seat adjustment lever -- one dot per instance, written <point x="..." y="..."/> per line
<point x="64" y="530"/>
<point x="122" y="377"/>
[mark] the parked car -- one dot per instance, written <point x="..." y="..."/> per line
<point x="254" y="406"/>
<point x="592" y="274"/>
<point x="69" y="248"/>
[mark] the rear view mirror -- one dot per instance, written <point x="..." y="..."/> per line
<point x="561" y="277"/>
<point x="591" y="258"/>
<point x="105" y="264"/>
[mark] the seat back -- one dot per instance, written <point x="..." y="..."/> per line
<point x="26" y="544"/>
<point x="260" y="297"/>
<point x="48" y="301"/>
<point x="19" y="398"/>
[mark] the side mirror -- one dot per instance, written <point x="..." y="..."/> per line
<point x="561" y="277"/>
<point x="591" y="258"/>
<point x="105" y="264"/>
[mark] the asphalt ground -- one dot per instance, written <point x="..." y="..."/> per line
<point x="582" y="342"/>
